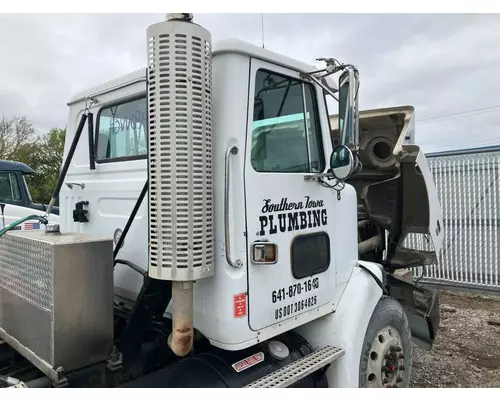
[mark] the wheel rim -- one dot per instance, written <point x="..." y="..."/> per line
<point x="386" y="359"/>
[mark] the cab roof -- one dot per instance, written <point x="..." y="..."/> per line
<point x="234" y="46"/>
<point x="7" y="165"/>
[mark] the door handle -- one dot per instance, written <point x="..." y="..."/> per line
<point x="237" y="263"/>
<point x="71" y="184"/>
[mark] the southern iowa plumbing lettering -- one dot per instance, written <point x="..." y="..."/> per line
<point x="292" y="216"/>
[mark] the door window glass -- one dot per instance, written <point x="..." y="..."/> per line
<point x="286" y="135"/>
<point x="122" y="131"/>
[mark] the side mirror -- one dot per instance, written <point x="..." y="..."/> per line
<point x="348" y="108"/>
<point x="342" y="162"/>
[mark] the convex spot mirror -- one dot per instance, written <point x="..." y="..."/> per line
<point x="342" y="162"/>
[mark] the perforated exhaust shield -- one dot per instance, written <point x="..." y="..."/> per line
<point x="180" y="151"/>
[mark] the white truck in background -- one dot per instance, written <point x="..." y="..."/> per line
<point x="218" y="228"/>
<point x="15" y="198"/>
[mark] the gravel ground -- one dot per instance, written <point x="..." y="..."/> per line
<point x="466" y="352"/>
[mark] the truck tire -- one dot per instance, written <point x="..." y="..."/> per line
<point x="386" y="357"/>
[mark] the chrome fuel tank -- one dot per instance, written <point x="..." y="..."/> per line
<point x="56" y="298"/>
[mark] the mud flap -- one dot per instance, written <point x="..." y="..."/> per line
<point x="421" y="307"/>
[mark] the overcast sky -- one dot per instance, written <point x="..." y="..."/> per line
<point x="441" y="64"/>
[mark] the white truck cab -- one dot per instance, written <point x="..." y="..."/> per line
<point x="266" y="213"/>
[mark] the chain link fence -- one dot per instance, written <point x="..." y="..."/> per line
<point x="468" y="188"/>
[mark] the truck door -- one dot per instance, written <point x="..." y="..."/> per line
<point x="107" y="195"/>
<point x="289" y="230"/>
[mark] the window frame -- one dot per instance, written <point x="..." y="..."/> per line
<point x="319" y="130"/>
<point x="26" y="189"/>
<point x="314" y="111"/>
<point x="105" y="106"/>
<point x="328" y="118"/>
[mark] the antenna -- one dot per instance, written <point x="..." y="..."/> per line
<point x="262" y="24"/>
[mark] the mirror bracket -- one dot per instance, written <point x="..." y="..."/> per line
<point x="317" y="177"/>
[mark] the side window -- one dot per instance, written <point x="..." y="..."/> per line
<point x="122" y="131"/>
<point x="9" y="187"/>
<point x="286" y="136"/>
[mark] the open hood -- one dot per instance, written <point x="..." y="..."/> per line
<point x="396" y="189"/>
<point x="421" y="210"/>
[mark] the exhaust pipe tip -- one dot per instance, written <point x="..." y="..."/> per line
<point x="180" y="340"/>
<point x="188" y="17"/>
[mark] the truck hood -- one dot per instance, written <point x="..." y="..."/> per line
<point x="43" y="207"/>
<point x="13" y="213"/>
<point x="396" y="189"/>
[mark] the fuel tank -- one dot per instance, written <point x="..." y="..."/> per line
<point x="216" y="368"/>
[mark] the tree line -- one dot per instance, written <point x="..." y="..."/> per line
<point x="20" y="141"/>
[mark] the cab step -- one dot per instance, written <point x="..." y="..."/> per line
<point x="297" y="370"/>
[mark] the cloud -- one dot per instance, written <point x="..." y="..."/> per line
<point x="441" y="64"/>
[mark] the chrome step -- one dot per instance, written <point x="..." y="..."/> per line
<point x="297" y="370"/>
